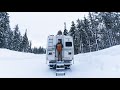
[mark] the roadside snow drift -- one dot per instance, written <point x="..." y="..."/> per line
<point x="100" y="64"/>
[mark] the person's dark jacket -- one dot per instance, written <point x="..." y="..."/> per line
<point x="59" y="43"/>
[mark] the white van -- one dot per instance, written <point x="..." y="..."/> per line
<point x="67" y="51"/>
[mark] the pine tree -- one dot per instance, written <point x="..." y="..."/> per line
<point x="94" y="30"/>
<point x="78" y="35"/>
<point x="107" y="23"/>
<point x="110" y="21"/>
<point x="25" y="42"/>
<point x="88" y="35"/>
<point x="40" y="50"/>
<point x="16" y="39"/>
<point x="21" y="43"/>
<point x="29" y="47"/>
<point x="1" y="38"/>
<point x="72" y="30"/>
<point x="65" y="30"/>
<point x="72" y="33"/>
<point x="117" y="28"/>
<point x="59" y="32"/>
<point x="4" y="29"/>
<point x="10" y="40"/>
<point x="35" y="51"/>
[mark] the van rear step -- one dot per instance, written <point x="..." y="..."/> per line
<point x="60" y="64"/>
<point x="60" y="68"/>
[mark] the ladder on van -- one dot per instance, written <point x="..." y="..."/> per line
<point x="60" y="68"/>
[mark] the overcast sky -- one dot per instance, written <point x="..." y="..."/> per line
<point x="41" y="24"/>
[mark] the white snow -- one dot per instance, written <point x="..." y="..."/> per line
<point x="100" y="64"/>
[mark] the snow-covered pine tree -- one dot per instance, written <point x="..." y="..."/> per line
<point x="10" y="40"/>
<point x="65" y="30"/>
<point x="59" y="32"/>
<point x="39" y="50"/>
<point x="72" y="33"/>
<point x="35" y="50"/>
<point x="117" y="27"/>
<point x="79" y="36"/>
<point x="16" y="39"/>
<point x="25" y="42"/>
<point x="1" y="31"/>
<point x="43" y="50"/>
<point x="94" y="30"/>
<point x="4" y="29"/>
<point x="30" y="47"/>
<point x="7" y="36"/>
<point x="108" y="21"/>
<point x="115" y="16"/>
<point x="21" y="43"/>
<point x="88" y="34"/>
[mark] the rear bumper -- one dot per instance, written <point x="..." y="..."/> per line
<point x="66" y="62"/>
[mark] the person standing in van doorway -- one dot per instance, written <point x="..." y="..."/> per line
<point x="59" y="47"/>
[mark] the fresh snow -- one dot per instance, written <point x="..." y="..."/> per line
<point x="100" y="64"/>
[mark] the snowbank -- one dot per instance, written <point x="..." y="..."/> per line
<point x="100" y="64"/>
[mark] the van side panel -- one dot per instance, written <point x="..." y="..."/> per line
<point x="50" y="48"/>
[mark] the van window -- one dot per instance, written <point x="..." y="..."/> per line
<point x="68" y="44"/>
